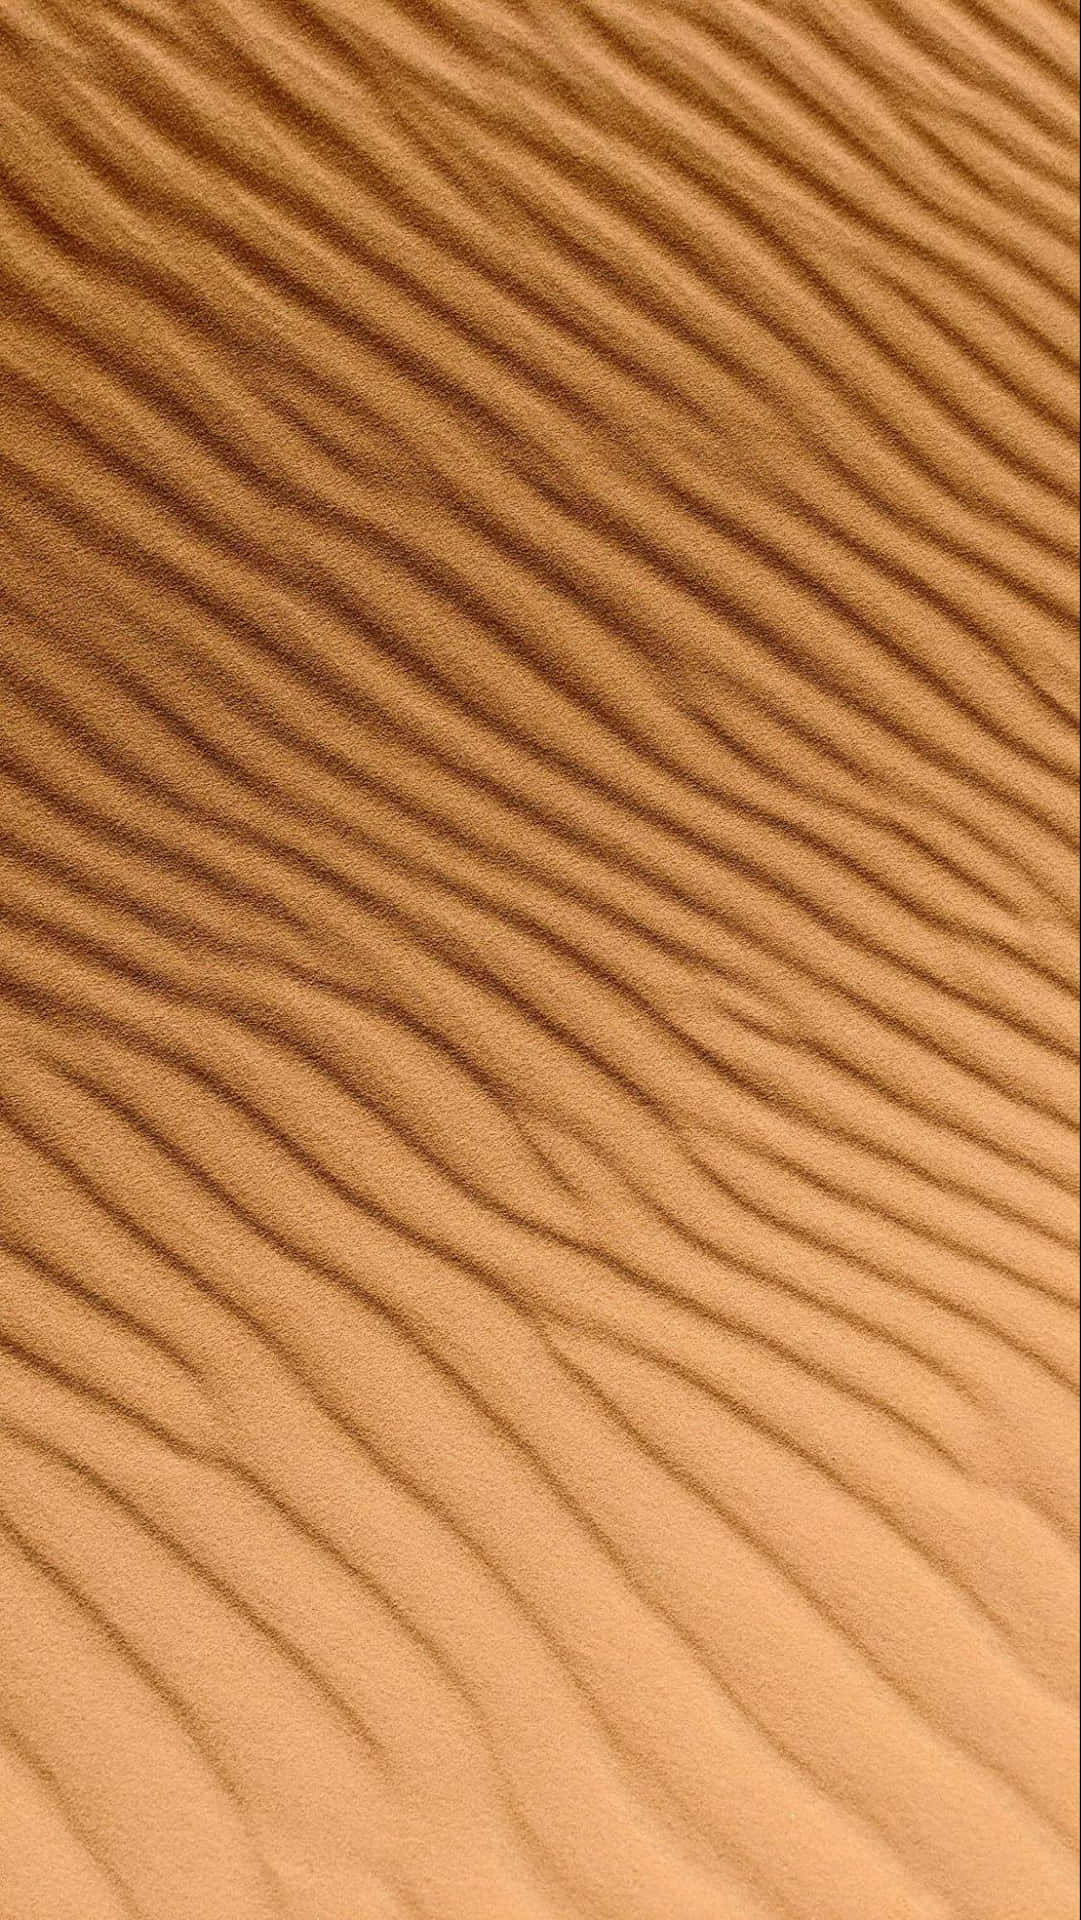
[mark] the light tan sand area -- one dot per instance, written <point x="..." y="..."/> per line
<point x="538" y="1023"/>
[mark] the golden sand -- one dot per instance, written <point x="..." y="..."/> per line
<point x="538" y="692"/>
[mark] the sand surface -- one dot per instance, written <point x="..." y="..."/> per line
<point x="538" y="698"/>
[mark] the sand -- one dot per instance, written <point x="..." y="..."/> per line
<point x="538" y="699"/>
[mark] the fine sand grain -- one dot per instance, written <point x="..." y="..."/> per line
<point x="538" y="698"/>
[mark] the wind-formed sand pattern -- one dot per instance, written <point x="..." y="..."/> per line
<point x="538" y="1351"/>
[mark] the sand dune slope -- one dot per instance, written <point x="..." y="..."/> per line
<point x="538" y="1353"/>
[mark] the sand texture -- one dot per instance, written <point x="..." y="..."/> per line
<point x="538" y="695"/>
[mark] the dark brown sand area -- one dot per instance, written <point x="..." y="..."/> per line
<point x="538" y="943"/>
